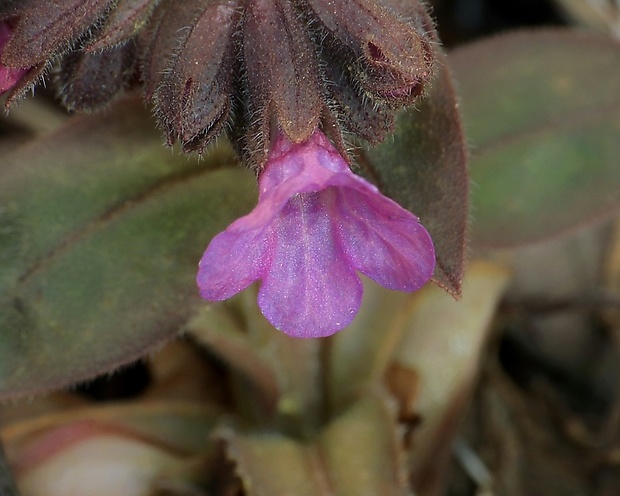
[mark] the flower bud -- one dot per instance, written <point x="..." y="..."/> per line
<point x="389" y="58"/>
<point x="46" y="29"/>
<point x="193" y="97"/>
<point x="124" y="23"/>
<point x="89" y="81"/>
<point x="282" y="71"/>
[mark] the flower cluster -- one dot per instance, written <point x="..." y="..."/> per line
<point x="245" y="66"/>
<point x="286" y="80"/>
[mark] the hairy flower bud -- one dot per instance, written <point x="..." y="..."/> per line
<point x="386" y="55"/>
<point x="124" y="22"/>
<point x="46" y="29"/>
<point x="193" y="97"/>
<point x="282" y="71"/>
<point x="89" y="81"/>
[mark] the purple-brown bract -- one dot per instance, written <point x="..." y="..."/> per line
<point x="9" y="76"/>
<point x="315" y="225"/>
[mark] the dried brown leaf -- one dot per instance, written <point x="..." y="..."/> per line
<point x="443" y="346"/>
<point x="357" y="453"/>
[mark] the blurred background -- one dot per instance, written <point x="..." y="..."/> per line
<point x="513" y="391"/>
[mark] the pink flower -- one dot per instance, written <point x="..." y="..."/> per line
<point x="315" y="225"/>
<point x="9" y="76"/>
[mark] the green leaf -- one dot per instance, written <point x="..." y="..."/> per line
<point x="424" y="168"/>
<point x="542" y="112"/>
<point x="102" y="231"/>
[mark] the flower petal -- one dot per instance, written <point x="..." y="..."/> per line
<point x="313" y="161"/>
<point x="231" y="263"/>
<point x="296" y="168"/>
<point x="310" y="290"/>
<point x="384" y="241"/>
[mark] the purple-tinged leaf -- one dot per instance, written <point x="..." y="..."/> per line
<point x="542" y="112"/>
